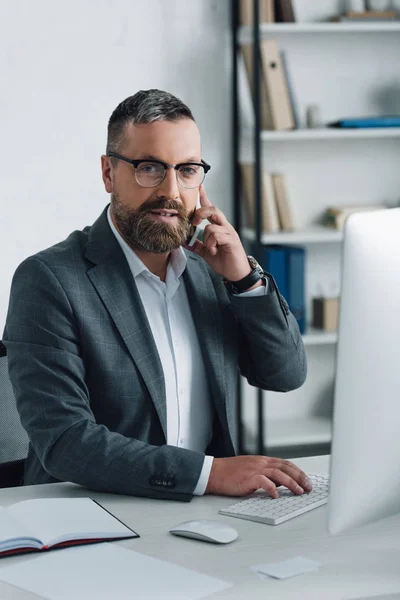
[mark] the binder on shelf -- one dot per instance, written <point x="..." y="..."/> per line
<point x="292" y="96"/>
<point x="280" y="115"/>
<point x="295" y="277"/>
<point x="273" y="260"/>
<point x="270" y="218"/>
<point x="284" y="12"/>
<point x="283" y="203"/>
<point x="287" y="265"/>
<point x="246" y="104"/>
<point x="247" y="53"/>
<point x="266" y="11"/>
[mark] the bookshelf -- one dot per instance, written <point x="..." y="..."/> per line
<point x="346" y="73"/>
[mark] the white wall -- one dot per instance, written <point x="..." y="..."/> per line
<point x="64" y="67"/>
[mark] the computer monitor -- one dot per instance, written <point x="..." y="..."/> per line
<point x="365" y="462"/>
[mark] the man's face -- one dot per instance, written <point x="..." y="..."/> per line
<point x="132" y="205"/>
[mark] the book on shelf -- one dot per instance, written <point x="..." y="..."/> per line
<point x="284" y="12"/>
<point x="367" y="122"/>
<point x="270" y="218"/>
<point x="49" y="523"/>
<point x="335" y="216"/>
<point x="266" y="12"/>
<point x="283" y="203"/>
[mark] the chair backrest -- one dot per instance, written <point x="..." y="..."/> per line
<point x="14" y="441"/>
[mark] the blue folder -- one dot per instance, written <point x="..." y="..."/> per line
<point x="295" y="276"/>
<point x="287" y="265"/>
<point x="273" y="260"/>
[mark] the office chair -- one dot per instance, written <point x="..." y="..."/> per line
<point x="14" y="440"/>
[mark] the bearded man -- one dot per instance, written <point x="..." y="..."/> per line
<point x="124" y="341"/>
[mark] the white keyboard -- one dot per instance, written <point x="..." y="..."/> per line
<point x="273" y="511"/>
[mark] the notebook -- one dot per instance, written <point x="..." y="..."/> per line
<point x="48" y="523"/>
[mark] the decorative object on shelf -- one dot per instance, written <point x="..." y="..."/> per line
<point x="326" y="313"/>
<point x="283" y="203"/>
<point x="270" y="217"/>
<point x="367" y="122"/>
<point x="336" y="216"/>
<point x="266" y="11"/>
<point x="368" y="16"/>
<point x="284" y="12"/>
<point x="313" y="116"/>
<point x="378" y="4"/>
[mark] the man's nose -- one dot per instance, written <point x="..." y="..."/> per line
<point x="169" y="185"/>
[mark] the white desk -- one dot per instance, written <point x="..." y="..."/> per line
<point x="364" y="562"/>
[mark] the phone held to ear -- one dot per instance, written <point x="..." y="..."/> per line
<point x="194" y="229"/>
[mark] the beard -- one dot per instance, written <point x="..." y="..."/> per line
<point x="140" y="230"/>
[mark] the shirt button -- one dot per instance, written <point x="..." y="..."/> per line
<point x="181" y="441"/>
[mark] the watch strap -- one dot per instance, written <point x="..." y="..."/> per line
<point x="238" y="287"/>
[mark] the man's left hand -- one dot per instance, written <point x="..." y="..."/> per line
<point x="221" y="247"/>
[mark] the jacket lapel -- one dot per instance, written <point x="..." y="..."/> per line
<point x="112" y="278"/>
<point x="203" y="302"/>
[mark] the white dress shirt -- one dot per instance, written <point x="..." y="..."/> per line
<point x="190" y="410"/>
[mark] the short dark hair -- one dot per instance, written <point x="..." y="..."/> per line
<point x="145" y="106"/>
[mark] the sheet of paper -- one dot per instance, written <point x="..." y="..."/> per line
<point x="105" y="571"/>
<point x="286" y="568"/>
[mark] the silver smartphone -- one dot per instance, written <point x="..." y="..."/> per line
<point x="194" y="229"/>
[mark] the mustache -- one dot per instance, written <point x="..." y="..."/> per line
<point x="160" y="204"/>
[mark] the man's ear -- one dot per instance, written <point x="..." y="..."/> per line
<point x="106" y="172"/>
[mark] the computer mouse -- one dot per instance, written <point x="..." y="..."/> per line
<point x="206" y="531"/>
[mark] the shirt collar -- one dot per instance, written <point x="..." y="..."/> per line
<point x="177" y="262"/>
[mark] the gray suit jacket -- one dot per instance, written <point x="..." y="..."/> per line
<point x="88" y="379"/>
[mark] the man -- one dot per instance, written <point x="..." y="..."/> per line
<point x="124" y="347"/>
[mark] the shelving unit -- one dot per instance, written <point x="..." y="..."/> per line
<point x="346" y="73"/>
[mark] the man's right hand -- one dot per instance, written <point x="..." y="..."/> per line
<point x="243" y="475"/>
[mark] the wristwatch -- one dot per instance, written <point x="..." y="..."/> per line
<point x="241" y="286"/>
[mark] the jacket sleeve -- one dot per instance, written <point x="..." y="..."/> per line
<point x="48" y="377"/>
<point x="271" y="350"/>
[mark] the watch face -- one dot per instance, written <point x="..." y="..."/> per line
<point x="254" y="264"/>
<point x="252" y="261"/>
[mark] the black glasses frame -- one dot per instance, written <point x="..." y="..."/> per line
<point x="136" y="162"/>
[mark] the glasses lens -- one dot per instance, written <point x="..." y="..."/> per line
<point x="190" y="176"/>
<point x="149" y="174"/>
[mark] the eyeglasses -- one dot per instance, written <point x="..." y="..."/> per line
<point x="149" y="173"/>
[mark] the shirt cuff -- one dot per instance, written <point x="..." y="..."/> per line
<point x="261" y="290"/>
<point x="204" y="476"/>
